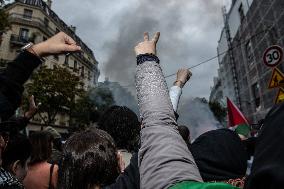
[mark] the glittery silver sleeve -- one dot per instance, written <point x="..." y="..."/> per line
<point x="153" y="93"/>
<point x="164" y="158"/>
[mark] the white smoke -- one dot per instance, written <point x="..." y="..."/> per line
<point x="197" y="116"/>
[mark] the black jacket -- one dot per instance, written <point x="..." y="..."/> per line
<point x="268" y="165"/>
<point x="130" y="178"/>
<point x="220" y="155"/>
<point x="12" y="80"/>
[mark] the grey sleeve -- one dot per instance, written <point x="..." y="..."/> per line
<point x="164" y="158"/>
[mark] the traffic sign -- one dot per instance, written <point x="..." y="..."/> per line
<point x="277" y="79"/>
<point x="280" y="96"/>
<point x="273" y="56"/>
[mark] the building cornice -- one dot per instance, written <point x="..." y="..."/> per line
<point x="41" y="6"/>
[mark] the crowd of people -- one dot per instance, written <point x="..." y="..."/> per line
<point x="124" y="152"/>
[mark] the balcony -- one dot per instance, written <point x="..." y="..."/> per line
<point x="82" y="58"/>
<point x="32" y="22"/>
<point x="3" y="64"/>
<point x="19" y="40"/>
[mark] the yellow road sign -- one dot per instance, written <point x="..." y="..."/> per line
<point x="280" y="96"/>
<point x="277" y="79"/>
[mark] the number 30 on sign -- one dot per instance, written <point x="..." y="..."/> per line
<point x="273" y="56"/>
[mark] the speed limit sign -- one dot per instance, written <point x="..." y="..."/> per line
<point x="273" y="56"/>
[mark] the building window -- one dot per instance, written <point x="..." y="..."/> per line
<point x="83" y="71"/>
<point x="66" y="61"/>
<point x="44" y="38"/>
<point x="249" y="52"/>
<point x="75" y="66"/>
<point x="31" y="2"/>
<point x="57" y="30"/>
<point x="24" y="34"/>
<point x="28" y="14"/>
<point x="46" y="22"/>
<point x="241" y="12"/>
<point x="273" y="35"/>
<point x="89" y="75"/>
<point x="56" y="57"/>
<point x="256" y="95"/>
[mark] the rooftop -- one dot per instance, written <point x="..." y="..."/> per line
<point x="45" y="8"/>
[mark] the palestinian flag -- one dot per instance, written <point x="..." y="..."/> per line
<point x="237" y="120"/>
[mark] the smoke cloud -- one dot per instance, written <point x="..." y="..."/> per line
<point x="190" y="30"/>
<point x="189" y="34"/>
<point x="197" y="116"/>
<point x="181" y="35"/>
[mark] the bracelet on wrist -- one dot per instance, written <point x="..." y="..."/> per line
<point x="181" y="82"/>
<point x="30" y="49"/>
<point x="147" y="57"/>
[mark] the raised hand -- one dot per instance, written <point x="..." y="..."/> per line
<point x="121" y="162"/>
<point x="32" y="108"/>
<point x="147" y="46"/>
<point x="58" y="44"/>
<point x="183" y="75"/>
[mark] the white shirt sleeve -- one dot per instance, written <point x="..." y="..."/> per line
<point x="175" y="93"/>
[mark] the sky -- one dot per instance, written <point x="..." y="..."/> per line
<point x="190" y="30"/>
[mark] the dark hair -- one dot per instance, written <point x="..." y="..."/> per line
<point x="185" y="133"/>
<point x="57" y="144"/>
<point x="220" y="155"/>
<point x="123" y="125"/>
<point x="95" y="116"/>
<point x="18" y="148"/>
<point x="89" y="159"/>
<point x="41" y="146"/>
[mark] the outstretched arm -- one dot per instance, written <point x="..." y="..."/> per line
<point x="163" y="157"/>
<point x="19" y="70"/>
<point x="183" y="75"/>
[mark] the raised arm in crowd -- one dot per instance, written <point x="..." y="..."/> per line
<point x="164" y="159"/>
<point x="183" y="75"/>
<point x="19" y="70"/>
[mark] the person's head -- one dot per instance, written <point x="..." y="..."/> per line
<point x="16" y="155"/>
<point x="185" y="133"/>
<point x="123" y="125"/>
<point x="3" y="143"/>
<point x="7" y="129"/>
<point x="220" y="155"/>
<point x="57" y="139"/>
<point x="41" y="146"/>
<point x="95" y="116"/>
<point x="89" y="160"/>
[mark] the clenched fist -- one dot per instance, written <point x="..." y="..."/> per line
<point x="183" y="75"/>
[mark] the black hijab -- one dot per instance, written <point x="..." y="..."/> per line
<point x="220" y="155"/>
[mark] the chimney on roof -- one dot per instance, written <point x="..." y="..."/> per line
<point x="49" y="3"/>
<point x="73" y="28"/>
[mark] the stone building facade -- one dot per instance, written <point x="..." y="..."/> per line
<point x="260" y="27"/>
<point x="35" y="21"/>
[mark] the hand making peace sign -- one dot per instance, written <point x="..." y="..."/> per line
<point x="147" y="46"/>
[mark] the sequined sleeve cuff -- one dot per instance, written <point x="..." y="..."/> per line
<point x="147" y="57"/>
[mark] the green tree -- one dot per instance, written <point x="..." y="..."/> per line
<point x="82" y="110"/>
<point x="4" y="21"/>
<point x="56" y="89"/>
<point x="89" y="106"/>
<point x="102" y="97"/>
<point x="218" y="110"/>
